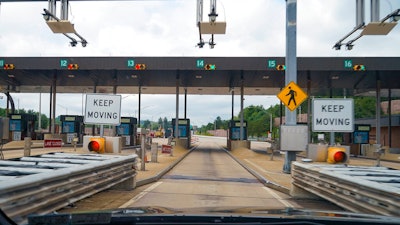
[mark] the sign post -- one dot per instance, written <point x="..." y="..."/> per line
<point x="333" y="115"/>
<point x="291" y="70"/>
<point x="103" y="109"/>
<point x="292" y="96"/>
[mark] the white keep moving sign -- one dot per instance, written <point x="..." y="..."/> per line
<point x="333" y="115"/>
<point x="103" y="109"/>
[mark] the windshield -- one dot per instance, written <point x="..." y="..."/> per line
<point x="262" y="109"/>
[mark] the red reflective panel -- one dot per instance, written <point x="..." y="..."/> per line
<point x="339" y="157"/>
<point x="94" y="146"/>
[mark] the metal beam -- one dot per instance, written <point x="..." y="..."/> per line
<point x="291" y="69"/>
<point x="375" y="10"/>
<point x="360" y="12"/>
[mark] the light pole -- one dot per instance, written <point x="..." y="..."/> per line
<point x="124" y="109"/>
<point x="66" y="109"/>
<point x="270" y="123"/>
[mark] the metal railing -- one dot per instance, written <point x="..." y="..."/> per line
<point x="358" y="189"/>
<point x="46" y="192"/>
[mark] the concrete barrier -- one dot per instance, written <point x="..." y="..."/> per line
<point x="53" y="181"/>
<point x="239" y="144"/>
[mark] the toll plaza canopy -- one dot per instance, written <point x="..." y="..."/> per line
<point x="321" y="76"/>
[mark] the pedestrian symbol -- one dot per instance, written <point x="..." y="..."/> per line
<point x="292" y="96"/>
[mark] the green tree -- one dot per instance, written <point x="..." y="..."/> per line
<point x="165" y="123"/>
<point x="160" y="122"/>
<point x="44" y="121"/>
<point x="3" y="112"/>
<point x="257" y="120"/>
<point x="364" y="107"/>
<point x="146" y="124"/>
<point x="218" y="122"/>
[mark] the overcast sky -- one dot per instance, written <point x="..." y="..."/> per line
<point x="168" y="28"/>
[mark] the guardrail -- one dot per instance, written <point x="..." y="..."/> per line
<point x="355" y="188"/>
<point x="53" y="181"/>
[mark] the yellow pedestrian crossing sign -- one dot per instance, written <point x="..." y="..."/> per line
<point x="292" y="96"/>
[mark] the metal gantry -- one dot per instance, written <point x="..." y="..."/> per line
<point x="375" y="27"/>
<point x="212" y="26"/>
<point x="62" y="25"/>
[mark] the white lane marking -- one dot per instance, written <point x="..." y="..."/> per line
<point x="140" y="195"/>
<point x="277" y="197"/>
<point x="260" y="168"/>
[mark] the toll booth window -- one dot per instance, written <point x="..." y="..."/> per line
<point x="182" y="131"/>
<point x="235" y="133"/>
<point x="361" y="137"/>
<point x="123" y="129"/>
<point x="15" y="125"/>
<point x="68" y="127"/>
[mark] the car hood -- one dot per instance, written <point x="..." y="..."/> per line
<point x="221" y="215"/>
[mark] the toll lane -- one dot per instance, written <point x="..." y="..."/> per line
<point x="209" y="177"/>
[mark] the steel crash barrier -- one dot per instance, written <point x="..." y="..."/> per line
<point x="46" y="183"/>
<point x="355" y="188"/>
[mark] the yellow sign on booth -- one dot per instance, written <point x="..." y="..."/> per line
<point x="292" y="96"/>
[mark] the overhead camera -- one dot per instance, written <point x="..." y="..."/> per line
<point x="212" y="45"/>
<point x="46" y="16"/>
<point x="213" y="15"/>
<point x="201" y="44"/>
<point x="395" y="18"/>
<point x="73" y="43"/>
<point x="337" y="46"/>
<point x="349" y="47"/>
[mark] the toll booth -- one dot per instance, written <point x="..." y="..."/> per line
<point x="234" y="130"/>
<point x="184" y="133"/>
<point x="21" y="126"/>
<point x="128" y="129"/>
<point x="71" y="127"/>
<point x="360" y="136"/>
<point x="234" y="140"/>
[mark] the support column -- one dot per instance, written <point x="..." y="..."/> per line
<point x="40" y="110"/>
<point x="331" y="134"/>
<point x="233" y="103"/>
<point x="378" y="110"/>
<point x="291" y="53"/>
<point x="54" y="102"/>
<point x="309" y="106"/>
<point x="139" y="105"/>
<point x="360" y="12"/>
<point x="241" y="108"/>
<point x="52" y="8"/>
<point x="51" y="109"/>
<point x="185" y="106"/>
<point x="375" y="10"/>
<point x="177" y="106"/>
<point x="114" y="127"/>
<point x="291" y="70"/>
<point x="64" y="10"/>
<point x="94" y="126"/>
<point x="390" y="117"/>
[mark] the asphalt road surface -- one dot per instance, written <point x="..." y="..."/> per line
<point x="209" y="178"/>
